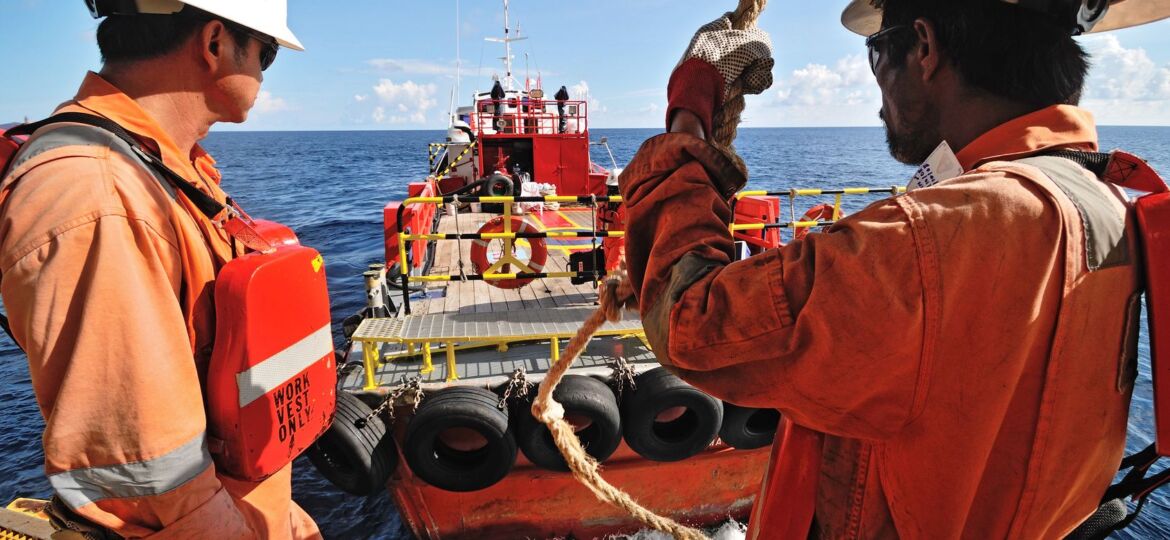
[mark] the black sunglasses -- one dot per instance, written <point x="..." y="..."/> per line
<point x="871" y="43"/>
<point x="268" y="48"/>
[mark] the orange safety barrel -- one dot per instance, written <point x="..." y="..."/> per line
<point x="271" y="385"/>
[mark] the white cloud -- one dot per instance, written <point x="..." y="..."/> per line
<point x="402" y="103"/>
<point x="1125" y="86"/>
<point x="267" y="103"/>
<point x="408" y="66"/>
<point x="650" y="108"/>
<point x="360" y="97"/>
<point x="580" y="92"/>
<point x="1119" y="73"/>
<point x="849" y="82"/>
<point x="842" y="94"/>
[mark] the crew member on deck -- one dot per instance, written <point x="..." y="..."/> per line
<point x="108" y="277"/>
<point x="497" y="102"/>
<point x="562" y="96"/>
<point x="953" y="362"/>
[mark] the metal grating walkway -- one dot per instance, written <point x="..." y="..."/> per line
<point x="529" y="324"/>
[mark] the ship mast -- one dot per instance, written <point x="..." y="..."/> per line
<point x="509" y="81"/>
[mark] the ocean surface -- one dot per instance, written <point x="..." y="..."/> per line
<point x="331" y="186"/>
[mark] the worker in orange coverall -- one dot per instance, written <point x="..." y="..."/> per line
<point x="953" y="362"/>
<point x="107" y="278"/>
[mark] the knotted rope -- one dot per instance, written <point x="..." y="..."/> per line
<point x="726" y="121"/>
<point x="615" y="295"/>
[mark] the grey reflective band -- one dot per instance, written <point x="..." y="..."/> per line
<point x="82" y="135"/>
<point x="279" y="368"/>
<point x="80" y="487"/>
<point x="1106" y="243"/>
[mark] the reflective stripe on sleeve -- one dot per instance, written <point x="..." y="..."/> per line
<point x="277" y="369"/>
<point x="79" y="487"/>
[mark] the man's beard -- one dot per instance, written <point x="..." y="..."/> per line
<point x="915" y="140"/>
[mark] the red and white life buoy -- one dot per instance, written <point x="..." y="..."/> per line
<point x="820" y="212"/>
<point x="535" y="263"/>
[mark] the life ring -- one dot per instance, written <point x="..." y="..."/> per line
<point x="459" y="440"/>
<point x="497" y="185"/>
<point x="666" y="419"/>
<point x="745" y="428"/>
<point x="820" y="212"/>
<point x="590" y="407"/>
<point x="537" y="257"/>
<point x="358" y="461"/>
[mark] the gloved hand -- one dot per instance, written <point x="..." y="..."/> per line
<point x="717" y="57"/>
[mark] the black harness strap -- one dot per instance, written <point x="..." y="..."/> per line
<point x="1096" y="162"/>
<point x="204" y="202"/>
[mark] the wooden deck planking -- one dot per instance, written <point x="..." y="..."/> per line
<point x="479" y="296"/>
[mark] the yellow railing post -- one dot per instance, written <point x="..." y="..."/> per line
<point x="427" y="365"/>
<point x="370" y="353"/>
<point x="402" y="254"/>
<point x="556" y="350"/>
<point x="452" y="375"/>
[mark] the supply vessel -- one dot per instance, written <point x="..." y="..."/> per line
<point x="491" y="265"/>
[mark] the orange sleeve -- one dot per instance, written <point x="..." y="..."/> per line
<point x="94" y="301"/>
<point x="829" y="330"/>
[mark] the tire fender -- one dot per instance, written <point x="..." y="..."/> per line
<point x="587" y="399"/>
<point x="358" y="461"/>
<point x="659" y="391"/>
<point x="435" y="459"/>
<point x="745" y="428"/>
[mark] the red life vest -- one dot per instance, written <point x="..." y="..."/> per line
<point x="271" y="385"/>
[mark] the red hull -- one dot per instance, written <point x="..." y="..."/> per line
<point x="704" y="490"/>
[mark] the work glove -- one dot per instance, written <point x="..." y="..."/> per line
<point x="716" y="59"/>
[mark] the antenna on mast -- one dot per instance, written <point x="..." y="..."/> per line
<point x="458" y="68"/>
<point x="509" y="81"/>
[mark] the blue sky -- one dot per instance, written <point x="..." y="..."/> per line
<point x="390" y="64"/>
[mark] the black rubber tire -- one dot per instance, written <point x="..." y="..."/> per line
<point x="358" y="461"/>
<point x="656" y="391"/>
<point x="581" y="395"/>
<point x="497" y="185"/>
<point x="745" y="428"/>
<point x="446" y="468"/>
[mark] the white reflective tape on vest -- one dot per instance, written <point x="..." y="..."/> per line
<point x="262" y="378"/>
<point x="79" y="487"/>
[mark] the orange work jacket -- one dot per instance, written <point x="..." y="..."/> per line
<point x="108" y="281"/>
<point x="966" y="351"/>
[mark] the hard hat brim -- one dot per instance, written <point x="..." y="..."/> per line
<point x="861" y="18"/>
<point x="287" y="39"/>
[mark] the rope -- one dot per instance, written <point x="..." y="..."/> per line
<point x="458" y="237"/>
<point x="616" y="294"/>
<point x="727" y="119"/>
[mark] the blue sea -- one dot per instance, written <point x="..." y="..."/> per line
<point x="331" y="187"/>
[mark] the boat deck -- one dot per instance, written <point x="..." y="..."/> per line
<point x="493" y="332"/>
<point x="479" y="297"/>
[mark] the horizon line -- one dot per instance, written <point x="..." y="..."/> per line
<point x="338" y="130"/>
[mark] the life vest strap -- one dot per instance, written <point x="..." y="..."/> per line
<point x="230" y="217"/>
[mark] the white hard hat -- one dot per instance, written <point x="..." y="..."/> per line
<point x="268" y="17"/>
<point x="861" y="17"/>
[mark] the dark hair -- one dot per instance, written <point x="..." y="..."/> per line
<point x="1001" y="48"/>
<point x="132" y="38"/>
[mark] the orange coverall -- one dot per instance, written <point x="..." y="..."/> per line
<point x="108" y="282"/>
<point x="965" y="349"/>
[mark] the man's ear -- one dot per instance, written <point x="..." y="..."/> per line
<point x="928" y="53"/>
<point x="213" y="46"/>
